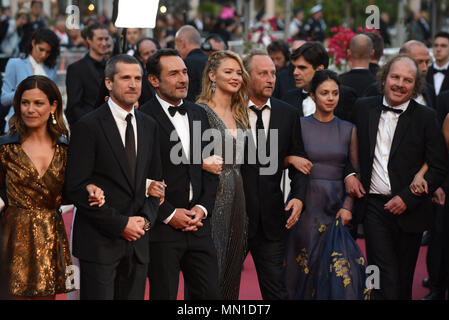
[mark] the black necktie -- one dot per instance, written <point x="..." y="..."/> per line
<point x="260" y="130"/>
<point x="181" y="109"/>
<point x="386" y="108"/>
<point x="304" y="95"/>
<point x="130" y="146"/>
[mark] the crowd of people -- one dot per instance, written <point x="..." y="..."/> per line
<point x="173" y="157"/>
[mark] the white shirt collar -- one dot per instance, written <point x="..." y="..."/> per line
<point x="436" y="67"/>
<point x="402" y="107"/>
<point x="268" y="103"/>
<point x="118" y="112"/>
<point x="165" y="104"/>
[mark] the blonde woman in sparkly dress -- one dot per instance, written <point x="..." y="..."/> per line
<point x="32" y="167"/>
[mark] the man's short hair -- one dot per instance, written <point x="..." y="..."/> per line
<point x="249" y="57"/>
<point x="279" y="45"/>
<point x="407" y="47"/>
<point x="442" y="34"/>
<point x="189" y="34"/>
<point x="156" y="44"/>
<point x="88" y="32"/>
<point x="420" y="81"/>
<point x="154" y="62"/>
<point x="111" y="65"/>
<point x="361" y="47"/>
<point x="378" y="44"/>
<point x="313" y="52"/>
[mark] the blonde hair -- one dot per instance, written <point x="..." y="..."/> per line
<point x="239" y="101"/>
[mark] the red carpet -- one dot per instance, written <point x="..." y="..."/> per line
<point x="249" y="286"/>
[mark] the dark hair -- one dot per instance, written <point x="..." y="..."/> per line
<point x="420" y="81"/>
<point x="378" y="44"/>
<point x="321" y="76"/>
<point x="442" y="34"/>
<point x="279" y="45"/>
<point x="153" y="64"/>
<point x="156" y="43"/>
<point x="313" y="52"/>
<point x="50" y="89"/>
<point x="111" y="65"/>
<point x="88" y="32"/>
<point x="48" y="36"/>
<point x="206" y="46"/>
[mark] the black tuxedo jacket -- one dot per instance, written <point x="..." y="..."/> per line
<point x="417" y="139"/>
<point x="285" y="81"/>
<point x="344" y="107"/>
<point x="179" y="176"/>
<point x="429" y="78"/>
<point x="428" y="94"/>
<point x="263" y="194"/>
<point x="96" y="155"/>
<point x="83" y="82"/>
<point x="358" y="79"/>
<point x="442" y="106"/>
<point x="195" y="63"/>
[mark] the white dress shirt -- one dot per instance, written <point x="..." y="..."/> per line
<point x="308" y="106"/>
<point x="119" y="115"/>
<point x="181" y="124"/>
<point x="438" y="78"/>
<point x="380" y="179"/>
<point x="252" y="117"/>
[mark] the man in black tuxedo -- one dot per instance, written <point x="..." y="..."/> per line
<point x="181" y="238"/>
<point x="396" y="136"/>
<point x="418" y="51"/>
<point x="188" y="44"/>
<point x="84" y="77"/>
<point x="116" y="148"/>
<point x="359" y="77"/>
<point x="378" y="51"/>
<point x="306" y="60"/>
<point x="438" y="73"/>
<point x="264" y="199"/>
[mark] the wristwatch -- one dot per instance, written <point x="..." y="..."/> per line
<point x="147" y="225"/>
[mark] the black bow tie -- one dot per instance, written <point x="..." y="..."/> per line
<point x="304" y="95"/>
<point x="181" y="109"/>
<point x="443" y="71"/>
<point x="385" y="108"/>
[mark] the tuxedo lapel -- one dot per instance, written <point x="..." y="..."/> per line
<point x="143" y="147"/>
<point x="373" y="125"/>
<point x="115" y="141"/>
<point x="401" y="128"/>
<point x="161" y="117"/>
<point x="275" y="123"/>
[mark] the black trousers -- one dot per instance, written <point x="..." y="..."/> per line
<point x="124" y="279"/>
<point x="268" y="256"/>
<point x="195" y="257"/>
<point x="437" y="254"/>
<point x="391" y="249"/>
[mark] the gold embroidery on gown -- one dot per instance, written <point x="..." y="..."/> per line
<point x="34" y="239"/>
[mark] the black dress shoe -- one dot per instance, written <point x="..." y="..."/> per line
<point x="433" y="296"/>
<point x="426" y="283"/>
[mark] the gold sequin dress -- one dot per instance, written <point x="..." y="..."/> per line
<point x="34" y="241"/>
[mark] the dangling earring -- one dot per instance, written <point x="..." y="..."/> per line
<point x="213" y="87"/>
<point x="53" y="119"/>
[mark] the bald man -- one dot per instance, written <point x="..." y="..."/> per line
<point x="359" y="77"/>
<point x="188" y="44"/>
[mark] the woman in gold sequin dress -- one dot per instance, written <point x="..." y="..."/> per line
<point x="32" y="168"/>
<point x="223" y="97"/>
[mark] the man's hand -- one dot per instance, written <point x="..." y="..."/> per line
<point x="345" y="216"/>
<point x="354" y="187"/>
<point x="134" y="229"/>
<point x="396" y="205"/>
<point x="181" y="219"/>
<point x="195" y="223"/>
<point x="439" y="197"/>
<point x="296" y="206"/>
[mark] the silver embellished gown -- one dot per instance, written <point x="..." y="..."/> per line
<point x="229" y="222"/>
